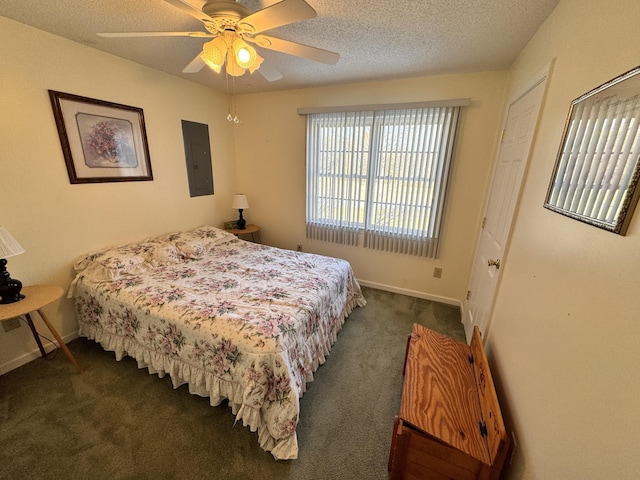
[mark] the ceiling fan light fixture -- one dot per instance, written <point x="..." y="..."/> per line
<point x="214" y="53"/>
<point x="233" y="68"/>
<point x="245" y="55"/>
<point x="213" y="66"/>
<point x="256" y="64"/>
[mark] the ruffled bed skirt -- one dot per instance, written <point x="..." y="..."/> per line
<point x="207" y="384"/>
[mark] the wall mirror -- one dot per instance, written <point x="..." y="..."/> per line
<point x="595" y="178"/>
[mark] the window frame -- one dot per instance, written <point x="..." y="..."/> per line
<point x="420" y="239"/>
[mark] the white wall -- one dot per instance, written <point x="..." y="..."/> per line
<point x="55" y="221"/>
<point x="564" y="335"/>
<point x="270" y="155"/>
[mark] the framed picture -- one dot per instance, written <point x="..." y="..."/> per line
<point x="596" y="178"/>
<point x="101" y="141"/>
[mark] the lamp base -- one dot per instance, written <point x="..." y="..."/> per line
<point x="242" y="223"/>
<point x="9" y="287"/>
<point x="13" y="299"/>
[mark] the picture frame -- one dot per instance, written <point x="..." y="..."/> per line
<point x="596" y="175"/>
<point x="101" y="141"/>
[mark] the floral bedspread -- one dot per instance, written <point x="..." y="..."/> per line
<point x="233" y="319"/>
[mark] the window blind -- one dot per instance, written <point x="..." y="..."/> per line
<point x="380" y="173"/>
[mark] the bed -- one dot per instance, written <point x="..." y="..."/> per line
<point x="232" y="319"/>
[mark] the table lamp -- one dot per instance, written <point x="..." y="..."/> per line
<point x="240" y="202"/>
<point x="9" y="287"/>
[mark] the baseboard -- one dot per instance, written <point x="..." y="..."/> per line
<point x="411" y="293"/>
<point x="32" y="355"/>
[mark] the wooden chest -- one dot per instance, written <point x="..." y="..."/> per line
<point x="450" y="425"/>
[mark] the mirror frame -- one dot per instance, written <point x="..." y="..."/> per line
<point x="624" y="88"/>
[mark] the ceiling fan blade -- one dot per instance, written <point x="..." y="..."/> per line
<point x="190" y="9"/>
<point x="297" y="49"/>
<point x="156" y="34"/>
<point x="195" y="65"/>
<point x="276" y="15"/>
<point x="269" y="73"/>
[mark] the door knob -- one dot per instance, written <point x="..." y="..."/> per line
<point x="494" y="263"/>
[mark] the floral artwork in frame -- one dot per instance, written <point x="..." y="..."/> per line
<point x="101" y="141"/>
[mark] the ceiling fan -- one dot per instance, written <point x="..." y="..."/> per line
<point x="232" y="27"/>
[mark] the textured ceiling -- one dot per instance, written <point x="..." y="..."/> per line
<point x="376" y="39"/>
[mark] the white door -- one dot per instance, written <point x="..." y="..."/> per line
<point x="513" y="154"/>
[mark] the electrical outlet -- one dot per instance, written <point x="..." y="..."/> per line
<point x="11" y="324"/>
<point x="437" y="272"/>
<point x="299" y="248"/>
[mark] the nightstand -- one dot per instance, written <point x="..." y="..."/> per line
<point x="35" y="298"/>
<point x="252" y="230"/>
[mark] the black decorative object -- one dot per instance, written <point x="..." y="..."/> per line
<point x="242" y="223"/>
<point x="9" y="287"/>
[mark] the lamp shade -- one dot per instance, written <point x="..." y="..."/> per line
<point x="8" y="245"/>
<point x="233" y="68"/>
<point x="214" y="53"/>
<point x="245" y="55"/>
<point x="256" y="64"/>
<point x="240" y="202"/>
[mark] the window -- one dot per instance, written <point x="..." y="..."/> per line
<point x="382" y="173"/>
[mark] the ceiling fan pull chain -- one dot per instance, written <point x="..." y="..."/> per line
<point x="232" y="101"/>
<point x="229" y="116"/>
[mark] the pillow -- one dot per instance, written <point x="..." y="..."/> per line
<point x="196" y="243"/>
<point x="112" y="263"/>
<point x="164" y="254"/>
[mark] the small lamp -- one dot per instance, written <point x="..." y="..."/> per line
<point x="240" y="202"/>
<point x="9" y="287"/>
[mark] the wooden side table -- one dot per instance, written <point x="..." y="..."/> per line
<point x="252" y="230"/>
<point x="35" y="298"/>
